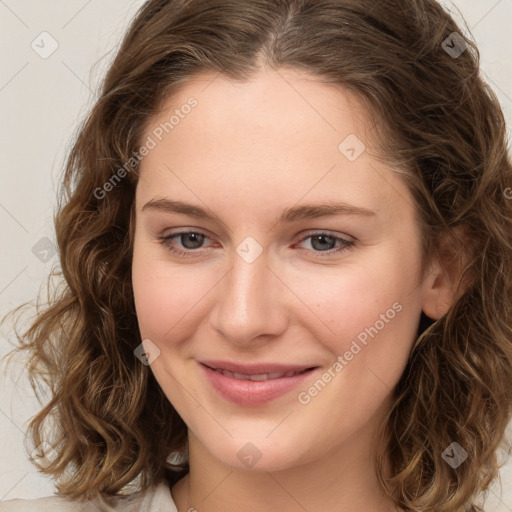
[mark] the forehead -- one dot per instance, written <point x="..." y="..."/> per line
<point x="280" y="135"/>
<point x="270" y="100"/>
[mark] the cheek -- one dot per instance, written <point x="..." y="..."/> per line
<point x="374" y="298"/>
<point x="167" y="299"/>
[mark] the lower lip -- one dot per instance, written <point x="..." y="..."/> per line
<point x="252" y="393"/>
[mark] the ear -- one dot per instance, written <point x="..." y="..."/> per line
<point x="445" y="282"/>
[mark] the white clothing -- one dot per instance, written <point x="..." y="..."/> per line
<point x="155" y="499"/>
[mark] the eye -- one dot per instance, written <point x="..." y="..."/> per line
<point x="190" y="241"/>
<point x="326" y="243"/>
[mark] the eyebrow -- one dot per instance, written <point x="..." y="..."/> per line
<point x="293" y="214"/>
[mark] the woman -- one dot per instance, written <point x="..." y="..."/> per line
<point x="280" y="226"/>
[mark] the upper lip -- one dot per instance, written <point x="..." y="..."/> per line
<point x="255" y="369"/>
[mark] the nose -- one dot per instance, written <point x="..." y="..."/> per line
<point x="250" y="303"/>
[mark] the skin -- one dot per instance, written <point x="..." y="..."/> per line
<point x="246" y="152"/>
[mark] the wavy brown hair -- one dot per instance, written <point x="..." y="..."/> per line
<point x="440" y="126"/>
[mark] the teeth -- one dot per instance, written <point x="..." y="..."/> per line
<point x="262" y="376"/>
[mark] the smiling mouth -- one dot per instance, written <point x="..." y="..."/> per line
<point x="256" y="384"/>
<point x="262" y="376"/>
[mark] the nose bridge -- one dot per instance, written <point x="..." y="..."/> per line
<point x="247" y="305"/>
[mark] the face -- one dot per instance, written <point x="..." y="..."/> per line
<point x="276" y="267"/>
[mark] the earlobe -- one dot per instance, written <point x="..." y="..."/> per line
<point x="438" y="294"/>
<point x="445" y="282"/>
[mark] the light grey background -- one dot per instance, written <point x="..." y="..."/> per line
<point x="41" y="102"/>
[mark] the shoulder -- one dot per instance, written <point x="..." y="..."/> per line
<point x="53" y="503"/>
<point x="155" y="499"/>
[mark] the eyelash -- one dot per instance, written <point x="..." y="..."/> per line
<point x="166" y="242"/>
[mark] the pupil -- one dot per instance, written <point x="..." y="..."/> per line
<point x="323" y="238"/>
<point x="195" y="243"/>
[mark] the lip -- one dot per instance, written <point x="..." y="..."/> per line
<point x="255" y="369"/>
<point x="250" y="393"/>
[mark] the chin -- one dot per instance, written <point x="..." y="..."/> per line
<point x="258" y="452"/>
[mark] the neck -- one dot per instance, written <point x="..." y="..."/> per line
<point x="344" y="479"/>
